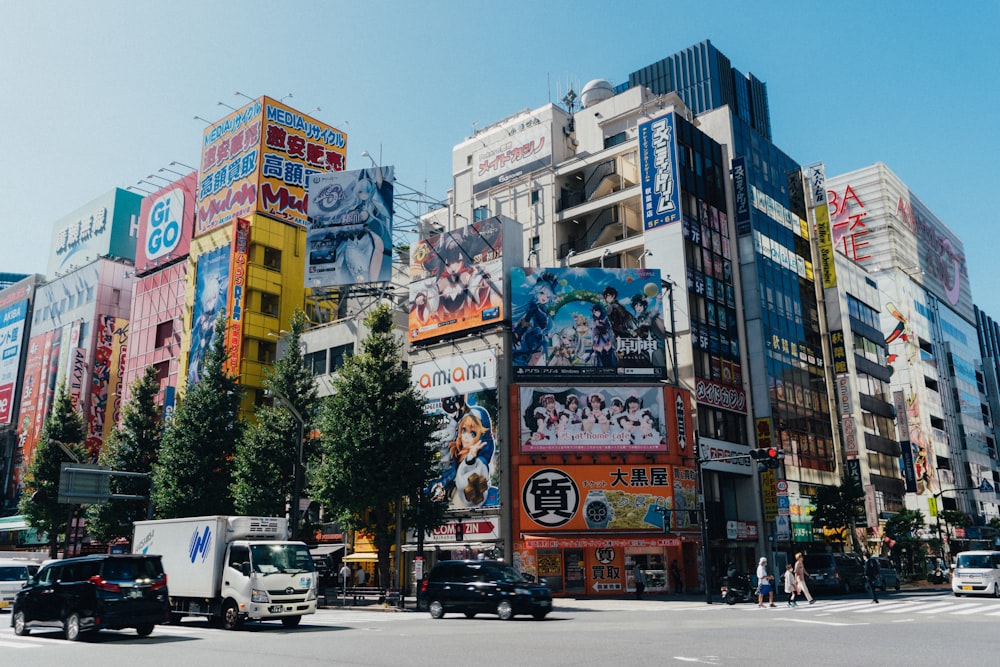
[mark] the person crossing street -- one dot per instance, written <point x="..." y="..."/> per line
<point x="872" y="574"/>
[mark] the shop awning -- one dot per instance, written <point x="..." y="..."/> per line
<point x="366" y="557"/>
<point x="12" y="523"/>
<point x="326" y="549"/>
<point x="587" y="541"/>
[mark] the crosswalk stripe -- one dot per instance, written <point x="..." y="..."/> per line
<point x="968" y="609"/>
<point x="16" y="645"/>
<point x="936" y="608"/>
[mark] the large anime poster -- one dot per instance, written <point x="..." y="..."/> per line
<point x="211" y="288"/>
<point x="349" y="231"/>
<point x="469" y="462"/>
<point x="457" y="280"/>
<point x="100" y="379"/>
<point x="599" y="419"/>
<point x="572" y="323"/>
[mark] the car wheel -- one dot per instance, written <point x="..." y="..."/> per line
<point x="71" y="627"/>
<point x="957" y="594"/>
<point x="21" y="625"/>
<point x="540" y="615"/>
<point x="144" y="630"/>
<point x="436" y="609"/>
<point x="470" y="614"/>
<point x="291" y="621"/>
<point x="505" y="610"/>
<point x="231" y="616"/>
<point x="996" y="590"/>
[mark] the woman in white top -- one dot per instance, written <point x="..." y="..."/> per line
<point x="765" y="584"/>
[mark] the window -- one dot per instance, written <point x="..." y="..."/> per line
<point x="480" y="213"/>
<point x="267" y="351"/>
<point x="116" y="297"/>
<point x="339" y="354"/>
<point x="315" y="362"/>
<point x="272" y="258"/>
<point x="164" y="333"/>
<point x="269" y="304"/>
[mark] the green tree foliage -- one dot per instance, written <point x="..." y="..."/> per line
<point x="904" y="527"/>
<point x="40" y="502"/>
<point x="193" y="475"/>
<point x="265" y="457"/>
<point x="132" y="447"/>
<point x="837" y="507"/>
<point x="374" y="435"/>
<point x="956" y="519"/>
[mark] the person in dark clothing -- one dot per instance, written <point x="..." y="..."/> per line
<point x="675" y="576"/>
<point x="872" y="573"/>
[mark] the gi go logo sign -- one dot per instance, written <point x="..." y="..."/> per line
<point x="550" y="497"/>
<point x="163" y="232"/>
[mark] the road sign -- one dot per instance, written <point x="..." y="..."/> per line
<point x="83" y="483"/>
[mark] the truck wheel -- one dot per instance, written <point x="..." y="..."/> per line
<point x="291" y="621"/>
<point x="71" y="627"/>
<point x="231" y="616"/>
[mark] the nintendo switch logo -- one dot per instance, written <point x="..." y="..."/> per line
<point x="200" y="545"/>
<point x="163" y="231"/>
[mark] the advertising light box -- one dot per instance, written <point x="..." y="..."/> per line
<point x="349" y="233"/>
<point x="587" y="324"/>
<point x="595" y="497"/>
<point x="166" y="223"/>
<point x="12" y="325"/>
<point x="457" y="280"/>
<point x="105" y="226"/>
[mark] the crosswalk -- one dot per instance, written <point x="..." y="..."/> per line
<point x="922" y="605"/>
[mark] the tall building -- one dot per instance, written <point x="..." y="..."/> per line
<point x="930" y="325"/>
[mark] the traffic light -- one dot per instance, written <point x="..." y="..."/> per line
<point x="767" y="457"/>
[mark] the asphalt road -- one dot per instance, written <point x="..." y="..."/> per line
<point x="907" y="628"/>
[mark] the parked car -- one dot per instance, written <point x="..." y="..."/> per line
<point x="14" y="573"/>
<point x="976" y="573"/>
<point x="92" y="593"/>
<point x="482" y="586"/>
<point x="888" y="574"/>
<point x="835" y="572"/>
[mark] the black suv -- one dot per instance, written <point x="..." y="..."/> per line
<point x="93" y="593"/>
<point x="482" y="586"/>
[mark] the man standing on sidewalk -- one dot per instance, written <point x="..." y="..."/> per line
<point x="345" y="579"/>
<point x="872" y="574"/>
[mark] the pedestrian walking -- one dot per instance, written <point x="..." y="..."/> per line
<point x="765" y="584"/>
<point x="872" y="574"/>
<point x="790" y="588"/>
<point x="639" y="579"/>
<point x="800" y="578"/>
<point x="345" y="579"/>
<point x="675" y="575"/>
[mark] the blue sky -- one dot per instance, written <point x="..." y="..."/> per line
<point x="102" y="94"/>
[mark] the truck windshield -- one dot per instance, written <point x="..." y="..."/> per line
<point x="281" y="558"/>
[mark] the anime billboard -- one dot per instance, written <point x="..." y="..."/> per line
<point x="349" y="229"/>
<point x="457" y="280"/>
<point x="469" y="462"/>
<point x="12" y="327"/>
<point x="211" y="288"/>
<point x="574" y="323"/>
<point x="595" y="497"/>
<point x="600" y="419"/>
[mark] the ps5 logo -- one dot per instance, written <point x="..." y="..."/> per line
<point x="163" y="232"/>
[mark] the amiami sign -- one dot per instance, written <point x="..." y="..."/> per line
<point x="456" y="374"/>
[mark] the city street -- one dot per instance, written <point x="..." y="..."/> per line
<point x="915" y="627"/>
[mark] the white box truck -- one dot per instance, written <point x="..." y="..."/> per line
<point x="232" y="568"/>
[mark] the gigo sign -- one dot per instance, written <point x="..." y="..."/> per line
<point x="163" y="232"/>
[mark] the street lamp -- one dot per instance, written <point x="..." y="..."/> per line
<point x="297" y="471"/>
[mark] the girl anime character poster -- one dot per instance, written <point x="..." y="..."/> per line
<point x="457" y="280"/>
<point x="468" y="461"/>
<point x="573" y="322"/>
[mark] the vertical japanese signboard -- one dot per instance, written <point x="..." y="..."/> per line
<point x="237" y="295"/>
<point x="12" y="325"/>
<point x="661" y="188"/>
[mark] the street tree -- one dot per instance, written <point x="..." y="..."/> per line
<point x="132" y="447"/>
<point x="837" y="508"/>
<point x="193" y="474"/>
<point x="264" y="464"/>
<point x="61" y="441"/>
<point x="904" y="529"/>
<point x="374" y="439"/>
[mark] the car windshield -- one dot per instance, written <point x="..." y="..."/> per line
<point x="982" y="561"/>
<point x="13" y="572"/>
<point x="503" y="572"/>
<point x="284" y="558"/>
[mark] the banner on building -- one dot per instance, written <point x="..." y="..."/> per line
<point x="349" y="229"/>
<point x="661" y="187"/>
<point x="237" y="295"/>
<point x="453" y="375"/>
<point x="119" y="352"/>
<point x="12" y="330"/>
<point x="211" y="292"/>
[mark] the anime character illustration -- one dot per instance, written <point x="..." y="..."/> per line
<point x="212" y="282"/>
<point x="533" y="322"/>
<point x="567" y="348"/>
<point x="603" y="339"/>
<point x="622" y="321"/>
<point x="471" y="453"/>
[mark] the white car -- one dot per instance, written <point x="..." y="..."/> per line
<point x="14" y="573"/>
<point x="976" y="573"/>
